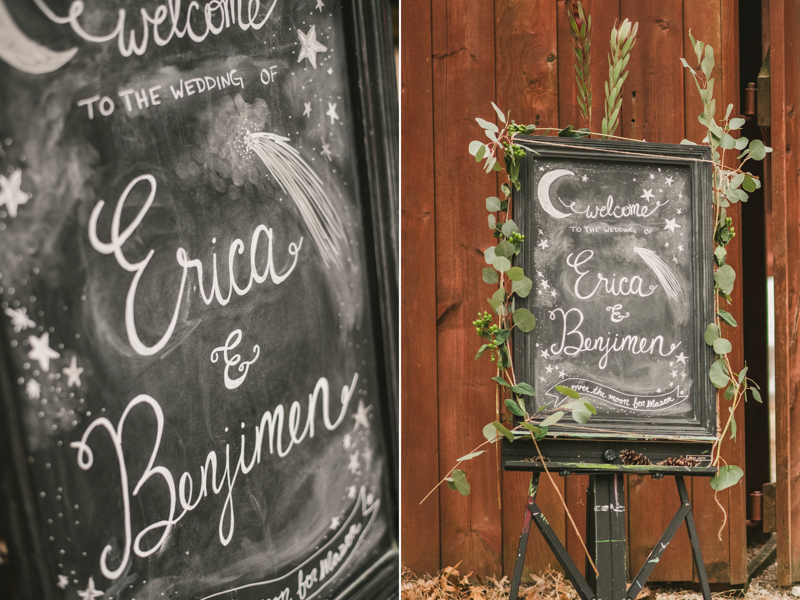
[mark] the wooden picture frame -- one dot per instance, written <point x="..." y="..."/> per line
<point x="39" y="471"/>
<point x="600" y="255"/>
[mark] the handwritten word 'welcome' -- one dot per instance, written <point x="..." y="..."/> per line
<point x="166" y="22"/>
<point x="271" y="422"/>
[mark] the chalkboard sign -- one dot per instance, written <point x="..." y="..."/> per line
<point x="618" y="243"/>
<point x="197" y="299"/>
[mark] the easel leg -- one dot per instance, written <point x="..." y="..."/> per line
<point x="610" y="546"/>
<point x="523" y="538"/>
<point x="694" y="541"/>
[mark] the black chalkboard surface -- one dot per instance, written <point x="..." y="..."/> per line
<point x="196" y="288"/>
<point x="618" y="245"/>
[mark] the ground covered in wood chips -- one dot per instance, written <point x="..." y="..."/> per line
<point x="450" y="584"/>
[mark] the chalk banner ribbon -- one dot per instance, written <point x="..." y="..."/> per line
<point x="310" y="578"/>
<point x="598" y="393"/>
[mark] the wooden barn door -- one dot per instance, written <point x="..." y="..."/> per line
<point x="456" y="57"/>
<point x="784" y="32"/>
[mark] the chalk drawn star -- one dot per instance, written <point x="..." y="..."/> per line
<point x="541" y="379"/>
<point x="666" y="245"/>
<point x="549" y="368"/>
<point x="310" y="46"/>
<point x="63" y="582"/>
<point x="553" y="293"/>
<point x="11" y="196"/>
<point x="326" y="151"/>
<point x="351" y="492"/>
<point x="41" y="350"/>
<point x="73" y="373"/>
<point x="671" y="225"/>
<point x="648" y="195"/>
<point x="545" y="285"/>
<point x="319" y="5"/>
<point x="679" y="211"/>
<point x="681" y="358"/>
<point x="669" y="181"/>
<point x="332" y="112"/>
<point x="680" y="247"/>
<point x="330" y="70"/>
<point x="675" y="259"/>
<point x="539" y="273"/>
<point x="33" y="389"/>
<point x="336" y="521"/>
<point x="354" y="465"/>
<point x="307" y="109"/>
<point x="541" y="168"/>
<point x="91" y="592"/>
<point x="652" y="176"/>
<point x="674" y="373"/>
<point x="19" y="319"/>
<point x="347" y="441"/>
<point x="658" y="391"/>
<point x="543" y="244"/>
<point x="562" y="373"/>
<point x="545" y="354"/>
<point x="361" y="416"/>
<point x="584" y="178"/>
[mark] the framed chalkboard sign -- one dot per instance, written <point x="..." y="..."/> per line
<point x="619" y="244"/>
<point x="198" y="299"/>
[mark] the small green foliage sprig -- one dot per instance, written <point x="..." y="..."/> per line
<point x="580" y="27"/>
<point x="622" y="42"/>
<point x="731" y="185"/>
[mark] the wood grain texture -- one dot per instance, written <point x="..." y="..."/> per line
<point x="463" y="76"/>
<point x="652" y="109"/>
<point x="419" y="406"/>
<point x="784" y="29"/>
<point x="527" y="84"/>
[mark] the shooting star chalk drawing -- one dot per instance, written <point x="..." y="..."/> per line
<point x="24" y="54"/>
<point x="297" y="179"/>
<point x="543" y="192"/>
<point x="672" y="287"/>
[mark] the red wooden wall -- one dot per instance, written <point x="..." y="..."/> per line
<point x="456" y="57"/>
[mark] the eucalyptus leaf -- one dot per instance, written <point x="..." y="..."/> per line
<point x="515" y="274"/>
<point x="733" y="423"/>
<point x="509" y="228"/>
<point x="724" y="278"/>
<point x="504" y="248"/>
<point x="568" y="391"/>
<point x="471" y="455"/>
<point x="499" y="112"/>
<point x="490" y="433"/>
<point x="720" y="253"/>
<point x="490" y="275"/>
<point x="735" y="123"/>
<point x="524" y="319"/>
<point x="757" y="150"/>
<point x="727" y="476"/>
<point x="522" y="288"/>
<point x="730" y="391"/>
<point x="497" y="298"/>
<point x="474" y="146"/>
<point x="492" y="220"/>
<point x="502" y="382"/>
<point x="504" y="430"/>
<point x="502" y="264"/>
<point x="489" y="255"/>
<point x="523" y="389"/>
<point x="719" y="373"/>
<point x="749" y="184"/>
<point x="459" y="480"/>
<point x="493" y="204"/>
<point x="712" y="334"/>
<point x="487" y="125"/>
<point x="581" y="415"/>
<point x="481" y="153"/>
<point x="742" y="374"/>
<point x="756" y="394"/>
<point x="514" y="408"/>
<point x="722" y="346"/>
<point x="741" y="143"/>
<point x="537" y="432"/>
<point x="554" y="418"/>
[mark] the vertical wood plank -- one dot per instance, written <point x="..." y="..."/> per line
<point x="734" y="451"/>
<point x="463" y="87"/>
<point x="527" y="68"/>
<point x="784" y="29"/>
<point x="419" y="408"/>
<point x="652" y="109"/>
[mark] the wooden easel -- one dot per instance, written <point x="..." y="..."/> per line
<point x="605" y="527"/>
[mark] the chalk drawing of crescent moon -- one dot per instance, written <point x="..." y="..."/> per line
<point x="544" y="192"/>
<point x="22" y="53"/>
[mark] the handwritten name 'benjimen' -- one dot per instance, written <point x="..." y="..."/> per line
<point x="275" y="425"/>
